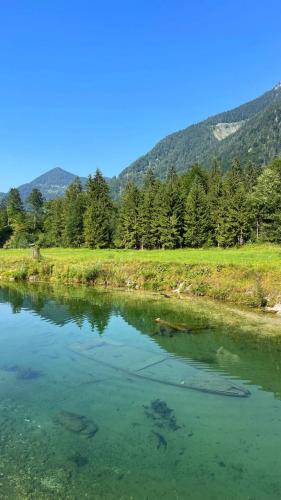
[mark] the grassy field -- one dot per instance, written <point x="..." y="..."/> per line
<point x="265" y="257"/>
<point x="248" y="275"/>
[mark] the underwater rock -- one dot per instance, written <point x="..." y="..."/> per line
<point x="10" y="368"/>
<point x="28" y="374"/>
<point x="161" y="414"/>
<point x="225" y="356"/>
<point x="23" y="373"/>
<point x="76" y="423"/>
<point x="78" y="459"/>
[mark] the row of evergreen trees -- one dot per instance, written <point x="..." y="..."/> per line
<point x="199" y="208"/>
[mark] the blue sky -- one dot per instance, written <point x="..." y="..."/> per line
<point x="87" y="84"/>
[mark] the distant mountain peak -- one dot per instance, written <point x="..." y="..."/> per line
<point x="57" y="170"/>
<point x="277" y="86"/>
<point x="54" y="175"/>
<point x="52" y="184"/>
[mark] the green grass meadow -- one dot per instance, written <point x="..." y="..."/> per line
<point x="249" y="275"/>
<point x="265" y="257"/>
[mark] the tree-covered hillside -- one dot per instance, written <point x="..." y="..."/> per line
<point x="199" y="208"/>
<point x="256" y="136"/>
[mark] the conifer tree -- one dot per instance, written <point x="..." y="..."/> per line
<point x="266" y="204"/>
<point x="15" y="210"/>
<point x="5" y="231"/>
<point x="234" y="217"/>
<point x="128" y="232"/>
<point x="251" y="173"/>
<point x="196" y="218"/>
<point x="35" y="202"/>
<point x="73" y="212"/>
<point x="53" y="225"/>
<point x="98" y="217"/>
<point x="214" y="196"/>
<point x="147" y="211"/>
<point x="16" y="220"/>
<point x="195" y="172"/>
<point x="170" y="208"/>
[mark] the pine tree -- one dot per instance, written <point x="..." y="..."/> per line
<point x="5" y="231"/>
<point x="234" y="216"/>
<point x="53" y="225"/>
<point x="15" y="210"/>
<point x="73" y="211"/>
<point x="170" y="208"/>
<point x="251" y="173"/>
<point x="196" y="218"/>
<point x="35" y="202"/>
<point x="16" y="220"/>
<point x="128" y="232"/>
<point x="214" y="197"/>
<point x="235" y="177"/>
<point x="99" y="213"/>
<point x="147" y="211"/>
<point x="266" y="204"/>
<point x="195" y="172"/>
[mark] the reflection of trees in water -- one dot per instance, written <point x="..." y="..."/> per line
<point x="259" y="360"/>
<point x="20" y="298"/>
<point x="16" y="300"/>
<point x="97" y="315"/>
<point x="57" y="308"/>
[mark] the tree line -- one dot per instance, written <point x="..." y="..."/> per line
<point x="199" y="208"/>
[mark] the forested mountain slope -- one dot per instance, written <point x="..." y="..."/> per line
<point x="250" y="132"/>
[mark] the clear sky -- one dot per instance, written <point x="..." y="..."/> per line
<point x="88" y="84"/>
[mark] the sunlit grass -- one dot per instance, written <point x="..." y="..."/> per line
<point x="262" y="257"/>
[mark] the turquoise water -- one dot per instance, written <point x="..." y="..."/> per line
<point x="77" y="423"/>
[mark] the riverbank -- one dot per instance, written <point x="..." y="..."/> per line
<point x="249" y="276"/>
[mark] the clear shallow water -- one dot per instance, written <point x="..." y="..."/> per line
<point x="204" y="446"/>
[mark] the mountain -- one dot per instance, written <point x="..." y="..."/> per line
<point x="251" y="132"/>
<point x="52" y="184"/>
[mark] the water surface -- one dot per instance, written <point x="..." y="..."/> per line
<point x="154" y="441"/>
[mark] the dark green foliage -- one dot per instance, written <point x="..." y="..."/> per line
<point x="234" y="214"/>
<point x="53" y="223"/>
<point x="5" y="230"/>
<point x="128" y="231"/>
<point x="16" y="219"/>
<point x="15" y="210"/>
<point x="35" y="202"/>
<point x="197" y="209"/>
<point x="197" y="217"/>
<point x="266" y="204"/>
<point x="99" y="212"/>
<point x="257" y="139"/>
<point x="170" y="209"/>
<point x="214" y="200"/>
<point x="148" y="214"/>
<point x="73" y="215"/>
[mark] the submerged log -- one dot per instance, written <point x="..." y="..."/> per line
<point x="168" y="327"/>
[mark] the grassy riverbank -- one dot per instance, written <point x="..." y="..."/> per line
<point x="249" y="275"/>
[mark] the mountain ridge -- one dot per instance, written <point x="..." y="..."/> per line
<point x="250" y="132"/>
<point x="52" y="184"/>
<point x="197" y="143"/>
